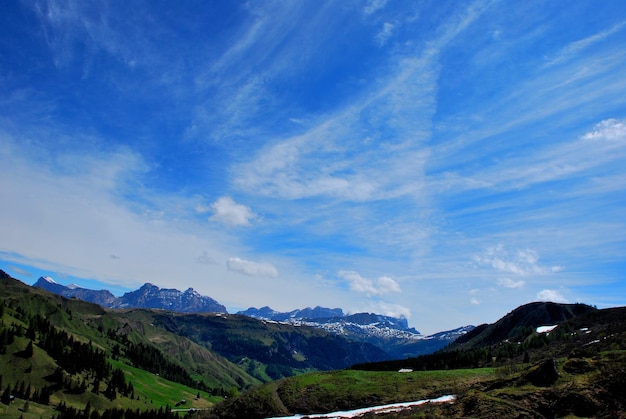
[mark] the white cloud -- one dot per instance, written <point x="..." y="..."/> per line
<point x="551" y="295"/>
<point x="251" y="268"/>
<point x="475" y="301"/>
<point x="387" y="285"/>
<point x="229" y="212"/>
<point x="369" y="287"/>
<point x="609" y="130"/>
<point x="523" y="262"/>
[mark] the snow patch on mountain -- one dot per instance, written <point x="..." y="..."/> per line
<point x="49" y="279"/>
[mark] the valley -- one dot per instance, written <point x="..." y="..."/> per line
<point x="65" y="357"/>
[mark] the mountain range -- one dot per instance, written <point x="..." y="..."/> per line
<point x="390" y="334"/>
<point x="73" y="358"/>
<point x="148" y="296"/>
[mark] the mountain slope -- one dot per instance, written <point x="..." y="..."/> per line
<point x="122" y="328"/>
<point x="228" y="350"/>
<point x="520" y="323"/>
<point x="63" y="354"/>
<point x="283" y="348"/>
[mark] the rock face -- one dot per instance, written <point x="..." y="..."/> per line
<point x="148" y="296"/>
<point x="151" y="296"/>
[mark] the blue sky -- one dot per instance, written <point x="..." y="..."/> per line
<point x="446" y="161"/>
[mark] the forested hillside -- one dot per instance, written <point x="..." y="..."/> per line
<point x="66" y="355"/>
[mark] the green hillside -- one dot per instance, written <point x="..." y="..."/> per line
<point x="59" y="355"/>
<point x="69" y="354"/>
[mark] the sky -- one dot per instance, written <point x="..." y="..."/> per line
<point x="443" y="161"/>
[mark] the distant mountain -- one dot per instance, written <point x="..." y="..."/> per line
<point x="151" y="296"/>
<point x="329" y="316"/>
<point x="391" y="334"/>
<point x="266" y="313"/>
<point x="148" y="296"/>
<point x="103" y="298"/>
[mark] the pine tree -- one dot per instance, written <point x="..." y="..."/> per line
<point x="96" y="386"/>
<point x="6" y="396"/>
<point x="21" y="393"/>
<point x="44" y="396"/>
<point x="28" y="352"/>
<point x="30" y="332"/>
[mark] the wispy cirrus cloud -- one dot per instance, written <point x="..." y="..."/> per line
<point x="575" y="48"/>
<point x="385" y="34"/>
<point x="509" y="283"/>
<point x="373" y="6"/>
<point x="350" y="129"/>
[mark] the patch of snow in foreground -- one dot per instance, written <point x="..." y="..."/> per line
<point x="395" y="407"/>
<point x="546" y="329"/>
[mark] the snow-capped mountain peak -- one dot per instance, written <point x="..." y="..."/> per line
<point x="49" y="279"/>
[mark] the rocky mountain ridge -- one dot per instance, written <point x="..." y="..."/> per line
<point x="147" y="296"/>
<point x="330" y="316"/>
<point x="390" y="334"/>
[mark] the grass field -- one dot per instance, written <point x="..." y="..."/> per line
<point x="348" y="389"/>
